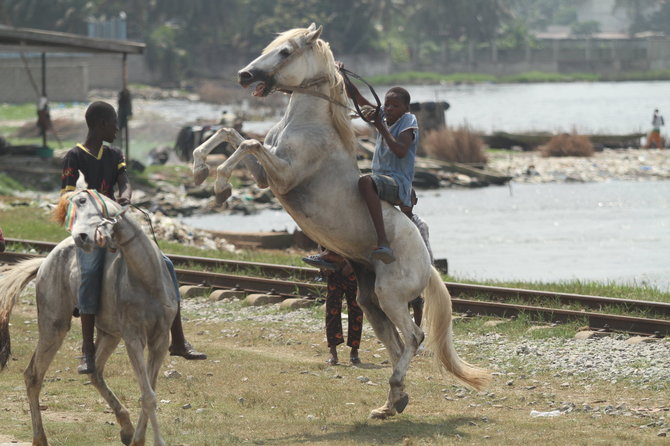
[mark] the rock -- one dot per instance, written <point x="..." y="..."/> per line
<point x="289" y="304"/>
<point x="190" y="291"/>
<point x="256" y="300"/>
<point x="218" y="295"/>
<point x="640" y="340"/>
<point x="586" y="334"/>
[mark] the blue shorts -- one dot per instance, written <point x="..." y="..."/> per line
<point x="387" y="188"/>
<point x="92" y="266"/>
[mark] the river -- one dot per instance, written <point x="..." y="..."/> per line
<point x="607" y="232"/>
<point x="587" y="107"/>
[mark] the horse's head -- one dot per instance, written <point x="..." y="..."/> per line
<point x="90" y="218"/>
<point x="297" y="57"/>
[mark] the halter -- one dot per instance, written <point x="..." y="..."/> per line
<point x="306" y="86"/>
<point x="100" y="203"/>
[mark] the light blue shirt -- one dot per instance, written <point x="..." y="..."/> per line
<point x="385" y="162"/>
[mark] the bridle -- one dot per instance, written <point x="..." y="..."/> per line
<point x="307" y="87"/>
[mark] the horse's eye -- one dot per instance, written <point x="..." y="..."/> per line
<point x="284" y="52"/>
<point x="81" y="200"/>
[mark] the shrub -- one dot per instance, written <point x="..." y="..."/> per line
<point x="568" y="144"/>
<point x="459" y="145"/>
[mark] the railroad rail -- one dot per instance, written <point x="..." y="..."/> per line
<point x="292" y="281"/>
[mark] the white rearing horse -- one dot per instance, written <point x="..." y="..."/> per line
<point x="138" y="303"/>
<point x="308" y="161"/>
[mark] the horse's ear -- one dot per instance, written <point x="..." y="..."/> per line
<point x="313" y="33"/>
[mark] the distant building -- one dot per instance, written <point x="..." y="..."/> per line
<point x="611" y="19"/>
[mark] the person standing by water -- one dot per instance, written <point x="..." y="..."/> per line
<point x="655" y="139"/>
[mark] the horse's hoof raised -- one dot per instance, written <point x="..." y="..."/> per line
<point x="200" y="174"/>
<point x="401" y="403"/>
<point x="225" y="194"/>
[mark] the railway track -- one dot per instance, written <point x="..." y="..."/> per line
<point x="468" y="299"/>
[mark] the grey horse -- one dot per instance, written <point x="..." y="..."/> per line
<point x="308" y="160"/>
<point x="138" y="305"/>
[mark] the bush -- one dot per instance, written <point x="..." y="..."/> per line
<point x="568" y="144"/>
<point x="459" y="145"/>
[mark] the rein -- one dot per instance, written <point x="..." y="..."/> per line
<point x="349" y="85"/>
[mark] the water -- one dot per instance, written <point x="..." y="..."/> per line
<point x="608" y="232"/>
<point x="587" y="107"/>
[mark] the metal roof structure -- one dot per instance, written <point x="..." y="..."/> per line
<point x="29" y="40"/>
<point x="40" y="41"/>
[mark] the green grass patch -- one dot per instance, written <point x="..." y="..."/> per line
<point x="12" y="112"/>
<point x="9" y="185"/>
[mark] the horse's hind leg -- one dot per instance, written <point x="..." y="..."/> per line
<point x="396" y="310"/>
<point x="105" y="345"/>
<point x="385" y="331"/>
<point x="200" y="168"/>
<point x="48" y="344"/>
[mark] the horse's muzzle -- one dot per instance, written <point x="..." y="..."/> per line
<point x="84" y="241"/>
<point x="248" y="77"/>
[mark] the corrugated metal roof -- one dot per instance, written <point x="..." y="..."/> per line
<point x="36" y="40"/>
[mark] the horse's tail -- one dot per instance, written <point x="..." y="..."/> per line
<point x="12" y="282"/>
<point x="440" y="335"/>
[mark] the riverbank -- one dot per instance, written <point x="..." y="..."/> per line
<point x="608" y="165"/>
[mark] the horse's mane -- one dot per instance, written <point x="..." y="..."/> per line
<point x="339" y="114"/>
<point x="60" y="211"/>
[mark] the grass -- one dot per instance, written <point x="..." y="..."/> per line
<point x="14" y="112"/>
<point x="460" y="144"/>
<point x="567" y="144"/>
<point x="267" y="383"/>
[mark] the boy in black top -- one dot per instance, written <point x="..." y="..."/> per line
<point x="103" y="168"/>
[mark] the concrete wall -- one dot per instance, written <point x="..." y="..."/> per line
<point x="65" y="81"/>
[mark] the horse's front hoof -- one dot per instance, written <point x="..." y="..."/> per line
<point x="127" y="437"/>
<point x="401" y="403"/>
<point x="381" y="414"/>
<point x="200" y="174"/>
<point x="223" y="195"/>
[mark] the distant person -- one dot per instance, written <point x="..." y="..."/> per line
<point x="104" y="169"/>
<point x="2" y="241"/>
<point x="654" y="139"/>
